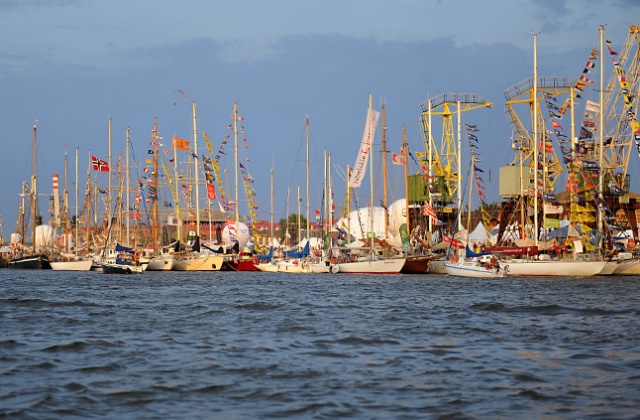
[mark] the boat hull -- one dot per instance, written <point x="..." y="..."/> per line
<point x="240" y="264"/>
<point x="267" y="267"/>
<point x="203" y="263"/>
<point x="555" y="268"/>
<point x="113" y="268"/>
<point x="161" y="263"/>
<point x="416" y="264"/>
<point x="390" y="266"/>
<point x="30" y="262"/>
<point x="472" y="269"/>
<point x="628" y="268"/>
<point x="80" y="265"/>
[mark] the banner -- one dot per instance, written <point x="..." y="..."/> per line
<point x="180" y="144"/>
<point x="398" y="159"/>
<point x="360" y="167"/>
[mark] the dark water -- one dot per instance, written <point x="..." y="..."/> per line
<point x="259" y="345"/>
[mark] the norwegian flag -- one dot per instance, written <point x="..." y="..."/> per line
<point x="99" y="164"/>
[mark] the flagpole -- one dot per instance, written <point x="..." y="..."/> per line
<point x="195" y="163"/>
<point x="459" y="163"/>
<point x="601" y="136"/>
<point x="108" y="210"/>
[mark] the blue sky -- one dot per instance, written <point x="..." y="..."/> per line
<point x="74" y="64"/>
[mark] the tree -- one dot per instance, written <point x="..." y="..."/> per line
<point x="290" y="225"/>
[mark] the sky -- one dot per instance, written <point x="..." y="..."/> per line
<point x="72" y="65"/>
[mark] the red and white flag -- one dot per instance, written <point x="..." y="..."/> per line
<point x="398" y="159"/>
<point x="99" y="164"/>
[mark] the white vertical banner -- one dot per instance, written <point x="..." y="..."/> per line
<point x="360" y="167"/>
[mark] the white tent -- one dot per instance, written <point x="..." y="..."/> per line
<point x="358" y="222"/>
<point x="479" y="234"/>
<point x="229" y="234"/>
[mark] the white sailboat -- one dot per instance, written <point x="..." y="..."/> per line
<point x="543" y="265"/>
<point x="366" y="260"/>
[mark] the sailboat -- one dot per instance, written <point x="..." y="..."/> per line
<point x="68" y="261"/>
<point x="34" y="260"/>
<point x="543" y="265"/>
<point x="241" y="260"/>
<point x="477" y="265"/>
<point x="198" y="257"/>
<point x="120" y="259"/>
<point x="361" y="259"/>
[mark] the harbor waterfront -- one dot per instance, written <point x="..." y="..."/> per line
<point x="262" y="345"/>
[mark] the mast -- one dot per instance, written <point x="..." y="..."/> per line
<point x="430" y="169"/>
<point x="127" y="188"/>
<point x="156" y="150"/>
<point x="75" y="242"/>
<point x="236" y="165"/>
<point x="385" y="195"/>
<point x="299" y="227"/>
<point x="176" y="191"/>
<point x="306" y="124"/>
<point x="195" y="167"/>
<point x="601" y="136"/>
<point x="34" y="189"/>
<point x="473" y="162"/>
<point x="65" y="202"/>
<point x="271" y="213"/>
<point x="459" y="163"/>
<point x="370" y="113"/>
<point x="406" y="177"/>
<point x="534" y="105"/>
<point x="108" y="209"/>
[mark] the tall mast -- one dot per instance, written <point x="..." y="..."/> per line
<point x="299" y="227"/>
<point x="271" y="214"/>
<point x="459" y="163"/>
<point x="156" y="150"/>
<point x="127" y="188"/>
<point x="77" y="219"/>
<point x="430" y="168"/>
<point x="534" y="106"/>
<point x="108" y="209"/>
<point x="65" y="202"/>
<point x="34" y="189"/>
<point x="385" y="196"/>
<point x="370" y="113"/>
<point x="601" y="129"/>
<point x="195" y="164"/>
<point x="236" y="164"/>
<point x="406" y="175"/>
<point x="306" y="124"/>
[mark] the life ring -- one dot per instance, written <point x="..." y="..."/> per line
<point x="295" y="263"/>
<point x="333" y="260"/>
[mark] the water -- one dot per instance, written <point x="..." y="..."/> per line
<point x="260" y="345"/>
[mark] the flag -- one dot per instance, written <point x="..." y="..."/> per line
<point x="470" y="127"/>
<point x="427" y="210"/>
<point x="180" y="144"/>
<point x="475" y="168"/>
<point x="555" y="124"/>
<point x="211" y="191"/>
<point x="99" y="164"/>
<point x="592" y="106"/>
<point x="398" y="159"/>
<point x="472" y="136"/>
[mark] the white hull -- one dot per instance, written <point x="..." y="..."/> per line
<point x="390" y="266"/>
<point x="161" y="263"/>
<point x="628" y="268"/>
<point x="473" y="269"/>
<point x="437" y="267"/>
<point x="323" y="267"/>
<point x="555" y="268"/>
<point x="268" y="267"/>
<point x="201" y="263"/>
<point x="293" y="266"/>
<point x="80" y="265"/>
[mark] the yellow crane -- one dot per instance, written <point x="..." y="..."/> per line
<point x="444" y="163"/>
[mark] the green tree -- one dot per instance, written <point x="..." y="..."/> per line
<point x="290" y="225"/>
